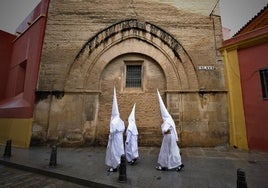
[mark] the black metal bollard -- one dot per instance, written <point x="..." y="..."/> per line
<point x="123" y="169"/>
<point x="8" y="149"/>
<point x="53" y="157"/>
<point x="241" y="179"/>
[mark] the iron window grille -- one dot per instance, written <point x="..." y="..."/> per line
<point x="133" y="76"/>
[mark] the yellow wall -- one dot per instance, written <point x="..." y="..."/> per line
<point x="18" y="130"/>
<point x="238" y="135"/>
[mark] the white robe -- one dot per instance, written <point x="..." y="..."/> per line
<point x="169" y="155"/>
<point x="131" y="146"/>
<point x="115" y="147"/>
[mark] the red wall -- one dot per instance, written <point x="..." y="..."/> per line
<point x="251" y="60"/>
<point x="23" y="66"/>
<point x="5" y="55"/>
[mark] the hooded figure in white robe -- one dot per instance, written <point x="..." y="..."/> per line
<point x="115" y="147"/>
<point x="169" y="156"/>
<point x="131" y="144"/>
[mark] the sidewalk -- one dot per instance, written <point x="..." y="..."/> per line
<point x="204" y="167"/>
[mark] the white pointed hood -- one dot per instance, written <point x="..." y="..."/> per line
<point x="166" y="117"/>
<point x="116" y="123"/>
<point x="132" y="122"/>
<point x="164" y="113"/>
<point x="115" y="111"/>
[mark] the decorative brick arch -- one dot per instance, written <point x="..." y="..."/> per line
<point x="132" y="36"/>
<point x="88" y="78"/>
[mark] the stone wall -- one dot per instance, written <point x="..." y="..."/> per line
<point x="87" y="45"/>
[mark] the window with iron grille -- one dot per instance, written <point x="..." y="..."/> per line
<point x="264" y="82"/>
<point x="133" y="76"/>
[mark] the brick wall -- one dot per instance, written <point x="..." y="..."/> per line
<point x="86" y="45"/>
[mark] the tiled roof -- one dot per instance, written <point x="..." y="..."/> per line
<point x="265" y="8"/>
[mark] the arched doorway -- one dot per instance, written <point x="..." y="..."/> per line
<point x="102" y="62"/>
<point x="143" y="94"/>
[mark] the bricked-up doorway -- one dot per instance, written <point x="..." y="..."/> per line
<point x="147" y="108"/>
<point x="101" y="64"/>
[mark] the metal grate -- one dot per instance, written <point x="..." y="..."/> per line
<point x="133" y="76"/>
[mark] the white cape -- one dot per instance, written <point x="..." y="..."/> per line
<point x="131" y="143"/>
<point x="169" y="155"/>
<point x="115" y="146"/>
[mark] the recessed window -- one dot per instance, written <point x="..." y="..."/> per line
<point x="264" y="82"/>
<point x="21" y="72"/>
<point x="133" y="76"/>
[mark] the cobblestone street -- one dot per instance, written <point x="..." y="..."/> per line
<point x="10" y="177"/>
<point x="78" y="167"/>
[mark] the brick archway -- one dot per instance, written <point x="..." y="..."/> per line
<point x="132" y="36"/>
<point x="142" y="40"/>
